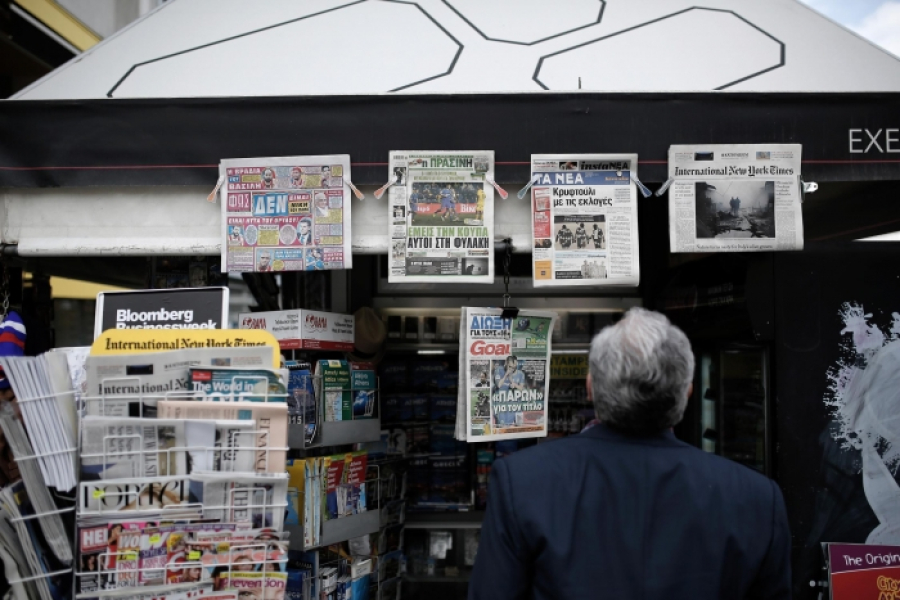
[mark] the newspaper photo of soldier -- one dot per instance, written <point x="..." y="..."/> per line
<point x="735" y="209"/>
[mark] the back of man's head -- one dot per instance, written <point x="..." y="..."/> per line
<point x="641" y="370"/>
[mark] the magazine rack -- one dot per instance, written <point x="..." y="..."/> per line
<point x="122" y="572"/>
<point x="32" y="476"/>
<point x="342" y="528"/>
<point x="242" y="502"/>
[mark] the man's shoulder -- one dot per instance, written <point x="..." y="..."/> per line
<point x="547" y="457"/>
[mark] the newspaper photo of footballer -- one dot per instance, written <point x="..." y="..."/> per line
<point x="480" y="406"/>
<point x="516" y="390"/>
<point x="735" y="209"/>
<point x="479" y="374"/>
<point x="436" y="203"/>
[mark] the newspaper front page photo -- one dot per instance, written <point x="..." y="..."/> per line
<point x="735" y="198"/>
<point x="584" y="220"/>
<point x="441" y="216"/>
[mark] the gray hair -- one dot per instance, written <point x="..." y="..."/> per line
<point x="641" y="369"/>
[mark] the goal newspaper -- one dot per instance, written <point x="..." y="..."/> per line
<point x="504" y="374"/>
<point x="584" y="220"/>
<point x="735" y="198"/>
<point x="441" y="216"/>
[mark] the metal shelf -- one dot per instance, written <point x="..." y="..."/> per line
<point x="445" y="520"/>
<point x="337" y="433"/>
<point x="337" y="530"/>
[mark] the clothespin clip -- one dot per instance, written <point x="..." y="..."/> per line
<point x="645" y="191"/>
<point x="380" y="191"/>
<point x="807" y="187"/>
<point x="521" y="193"/>
<point x="359" y="195"/>
<point x="214" y="193"/>
<point x="500" y="190"/>
<point x="665" y="186"/>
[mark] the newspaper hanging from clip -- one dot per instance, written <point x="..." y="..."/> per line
<point x="735" y="198"/>
<point x="504" y="374"/>
<point x="286" y="214"/>
<point x="584" y="220"/>
<point x="441" y="216"/>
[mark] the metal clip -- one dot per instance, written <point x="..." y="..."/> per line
<point x="665" y="186"/>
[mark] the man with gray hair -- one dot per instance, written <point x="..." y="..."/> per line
<point x="625" y="510"/>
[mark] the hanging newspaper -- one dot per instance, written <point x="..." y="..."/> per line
<point x="584" y="219"/>
<point x="735" y="198"/>
<point x="286" y="214"/>
<point x="441" y="218"/>
<point x="504" y="373"/>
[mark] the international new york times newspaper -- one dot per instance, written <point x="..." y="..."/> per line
<point x="735" y="198"/>
<point x="441" y="216"/>
<point x="286" y="213"/>
<point x="504" y="374"/>
<point x="115" y="382"/>
<point x="584" y="220"/>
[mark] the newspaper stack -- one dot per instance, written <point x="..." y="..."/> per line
<point x="115" y="382"/>
<point x="24" y="552"/>
<point x="504" y="374"/>
<point x="46" y="401"/>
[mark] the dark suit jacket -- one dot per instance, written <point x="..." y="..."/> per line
<point x="602" y="515"/>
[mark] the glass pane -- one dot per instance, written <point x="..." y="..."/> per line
<point x="743" y="388"/>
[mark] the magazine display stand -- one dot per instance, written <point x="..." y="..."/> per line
<point x="35" y="570"/>
<point x="338" y="433"/>
<point x="255" y="502"/>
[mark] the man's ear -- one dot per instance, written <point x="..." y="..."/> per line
<point x="590" y="392"/>
<point x="690" y="389"/>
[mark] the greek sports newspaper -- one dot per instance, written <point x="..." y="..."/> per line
<point x="286" y="214"/>
<point x="584" y="220"/>
<point x="504" y="374"/>
<point x="735" y="198"/>
<point x="441" y="216"/>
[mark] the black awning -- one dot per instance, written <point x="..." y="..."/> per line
<point x="180" y="141"/>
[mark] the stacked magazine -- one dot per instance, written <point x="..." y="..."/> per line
<point x="183" y="486"/>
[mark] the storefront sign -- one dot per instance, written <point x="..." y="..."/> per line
<point x="186" y="308"/>
<point x="864" y="572"/>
